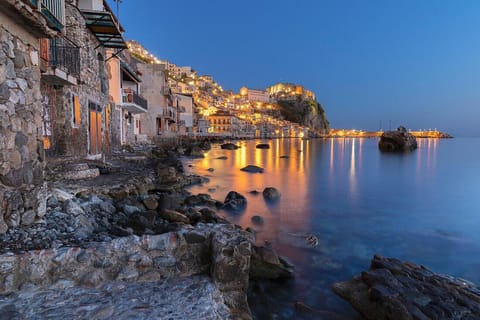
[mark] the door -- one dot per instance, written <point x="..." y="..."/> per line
<point x="95" y="128"/>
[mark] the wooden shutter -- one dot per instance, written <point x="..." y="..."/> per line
<point x="76" y="110"/>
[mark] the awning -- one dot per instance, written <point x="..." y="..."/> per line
<point x="132" y="107"/>
<point x="106" y="28"/>
<point x="129" y="71"/>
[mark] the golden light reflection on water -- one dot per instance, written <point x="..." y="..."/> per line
<point x="427" y="154"/>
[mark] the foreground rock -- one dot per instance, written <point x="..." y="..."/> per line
<point x="262" y="146"/>
<point x="198" y="295"/>
<point x="266" y="264"/>
<point x="271" y="194"/>
<point x="229" y="146"/>
<point x="235" y="201"/>
<point x="252" y="169"/>
<point x="392" y="289"/>
<point x="397" y="141"/>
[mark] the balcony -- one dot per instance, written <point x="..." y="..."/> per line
<point x="170" y="114"/>
<point x="52" y="10"/>
<point x="60" y="61"/>
<point x="133" y="102"/>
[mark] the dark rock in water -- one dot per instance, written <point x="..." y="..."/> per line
<point x="257" y="220"/>
<point x="392" y="289"/>
<point x="254" y="192"/>
<point x="229" y="146"/>
<point x="205" y="145"/>
<point x="252" y="169"/>
<point x="271" y="194"/>
<point x="263" y="146"/>
<point x="234" y="201"/>
<point x="284" y="157"/>
<point x="210" y="169"/>
<point x="266" y="264"/>
<point x="397" y="141"/>
<point x="222" y="158"/>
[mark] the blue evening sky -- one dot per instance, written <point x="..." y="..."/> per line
<point x="412" y="62"/>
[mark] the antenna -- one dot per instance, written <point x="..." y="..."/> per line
<point x="118" y="7"/>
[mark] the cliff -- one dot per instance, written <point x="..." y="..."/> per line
<point x="308" y="113"/>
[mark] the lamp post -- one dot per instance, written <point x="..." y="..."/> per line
<point x="118" y="7"/>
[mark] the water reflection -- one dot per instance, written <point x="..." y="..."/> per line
<point x="358" y="201"/>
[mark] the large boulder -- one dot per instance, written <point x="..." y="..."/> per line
<point x="397" y="141"/>
<point x="252" y="169"/>
<point x="267" y="264"/>
<point x="234" y="201"/>
<point x="229" y="146"/>
<point x="392" y="289"/>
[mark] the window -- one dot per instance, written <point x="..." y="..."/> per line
<point x="76" y="110"/>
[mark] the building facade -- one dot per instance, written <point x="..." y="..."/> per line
<point x="22" y="158"/>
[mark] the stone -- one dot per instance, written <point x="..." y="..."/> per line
<point x="252" y="169"/>
<point x="73" y="208"/>
<point x="20" y="140"/>
<point x="4" y="93"/>
<point x="284" y="157"/>
<point x="19" y="59"/>
<point x="258" y="220"/>
<point x="392" y="289"/>
<point x="222" y="158"/>
<point x="262" y="146"/>
<point x="397" y="141"/>
<point x="195" y="152"/>
<point x="150" y="203"/>
<point x="130" y="210"/>
<point x="229" y="146"/>
<point x="28" y="217"/>
<point x="174" y="216"/>
<point x="61" y="195"/>
<point x="234" y="201"/>
<point x="108" y="207"/>
<point x="210" y="169"/>
<point x="271" y="194"/>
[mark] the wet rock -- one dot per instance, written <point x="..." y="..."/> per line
<point x="392" y="289"/>
<point x="73" y="208"/>
<point x="229" y="146"/>
<point x="284" y="157"/>
<point x="254" y="192"/>
<point x="266" y="264"/>
<point x="258" y="220"/>
<point x="210" y="169"/>
<point x="262" y="146"/>
<point x="234" y="201"/>
<point x="222" y="158"/>
<point x="397" y="141"/>
<point x="28" y="217"/>
<point x="271" y="194"/>
<point x="252" y="169"/>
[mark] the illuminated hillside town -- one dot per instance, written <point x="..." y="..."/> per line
<point x="250" y="113"/>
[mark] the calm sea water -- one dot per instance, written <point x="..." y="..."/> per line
<point x="421" y="206"/>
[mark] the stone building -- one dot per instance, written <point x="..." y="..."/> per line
<point x="76" y="107"/>
<point x="22" y="188"/>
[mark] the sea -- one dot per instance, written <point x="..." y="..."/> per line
<point x="422" y="206"/>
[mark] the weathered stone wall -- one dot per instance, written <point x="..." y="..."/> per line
<point x="69" y="139"/>
<point x="22" y="190"/>
<point x="221" y="250"/>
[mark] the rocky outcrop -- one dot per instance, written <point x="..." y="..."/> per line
<point x="266" y="264"/>
<point x="252" y="169"/>
<point x="397" y="141"/>
<point x="309" y="113"/>
<point x="392" y="289"/>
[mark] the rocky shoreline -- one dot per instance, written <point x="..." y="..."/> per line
<point x="131" y="220"/>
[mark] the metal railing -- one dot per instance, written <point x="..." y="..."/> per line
<point x="130" y="96"/>
<point x="57" y="53"/>
<point x="169" y="112"/>
<point x="54" y="10"/>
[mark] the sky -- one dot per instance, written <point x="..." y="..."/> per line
<point x="371" y="63"/>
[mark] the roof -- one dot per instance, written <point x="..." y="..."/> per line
<point x="130" y="72"/>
